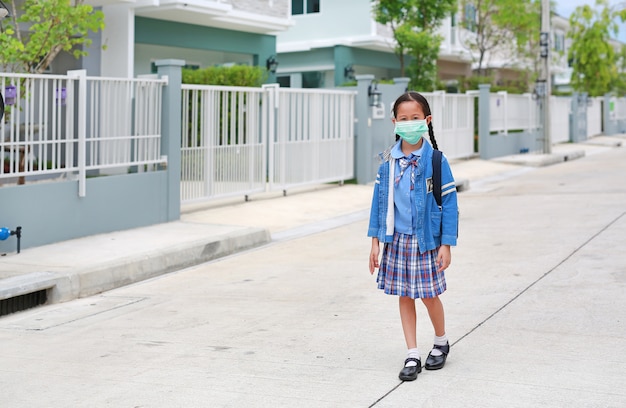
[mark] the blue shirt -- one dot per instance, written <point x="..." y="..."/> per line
<point x="405" y="209"/>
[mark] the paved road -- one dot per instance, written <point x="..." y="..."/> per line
<point x="535" y="310"/>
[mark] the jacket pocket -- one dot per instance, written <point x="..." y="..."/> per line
<point x="435" y="223"/>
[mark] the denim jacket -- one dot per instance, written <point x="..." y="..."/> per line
<point x="435" y="225"/>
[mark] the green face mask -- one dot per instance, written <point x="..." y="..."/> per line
<point x="411" y="130"/>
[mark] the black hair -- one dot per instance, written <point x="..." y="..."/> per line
<point x="419" y="98"/>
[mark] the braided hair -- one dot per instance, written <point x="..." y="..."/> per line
<point x="419" y="98"/>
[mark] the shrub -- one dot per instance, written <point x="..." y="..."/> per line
<point x="237" y="75"/>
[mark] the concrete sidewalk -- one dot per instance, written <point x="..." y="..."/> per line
<point x="94" y="264"/>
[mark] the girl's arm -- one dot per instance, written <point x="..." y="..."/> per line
<point x="444" y="257"/>
<point x="374" y="255"/>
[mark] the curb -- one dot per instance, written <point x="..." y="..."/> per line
<point x="68" y="285"/>
<point x="541" y="160"/>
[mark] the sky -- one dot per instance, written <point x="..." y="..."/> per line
<point x="566" y="7"/>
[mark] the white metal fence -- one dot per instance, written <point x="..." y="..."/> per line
<point x="594" y="116"/>
<point x="240" y="141"/>
<point x="560" y="109"/>
<point x="454" y="122"/>
<point x="314" y="137"/>
<point x="510" y="112"/>
<point x="223" y="147"/>
<point x="69" y="124"/>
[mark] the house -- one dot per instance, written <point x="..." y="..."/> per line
<point x="200" y="32"/>
<point x="331" y="41"/>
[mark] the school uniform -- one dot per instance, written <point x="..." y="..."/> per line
<point x="405" y="217"/>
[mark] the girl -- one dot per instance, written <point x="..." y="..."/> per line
<point x="416" y="232"/>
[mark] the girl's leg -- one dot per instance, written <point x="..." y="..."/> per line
<point x="437" y="356"/>
<point x="409" y="321"/>
<point x="412" y="365"/>
<point x="436" y="314"/>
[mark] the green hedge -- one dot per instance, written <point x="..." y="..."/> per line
<point x="237" y="75"/>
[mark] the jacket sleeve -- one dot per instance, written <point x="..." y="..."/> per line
<point x="374" y="224"/>
<point x="449" y="204"/>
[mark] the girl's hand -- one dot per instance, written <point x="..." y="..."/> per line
<point x="374" y="255"/>
<point x="443" y="257"/>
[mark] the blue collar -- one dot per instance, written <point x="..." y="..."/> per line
<point x="396" y="150"/>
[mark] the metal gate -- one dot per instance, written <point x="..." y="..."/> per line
<point x="238" y="141"/>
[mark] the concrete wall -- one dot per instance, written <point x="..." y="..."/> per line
<point x="52" y="211"/>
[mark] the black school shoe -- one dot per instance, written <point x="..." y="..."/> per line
<point x="437" y="362"/>
<point x="410" y="373"/>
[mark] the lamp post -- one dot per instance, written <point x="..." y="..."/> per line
<point x="544" y="81"/>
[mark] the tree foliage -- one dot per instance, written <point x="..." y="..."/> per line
<point x="506" y="28"/>
<point x="413" y="23"/>
<point x="238" y="75"/>
<point x="38" y="31"/>
<point x="594" y="59"/>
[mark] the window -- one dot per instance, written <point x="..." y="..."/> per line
<point x="305" y="6"/>
<point x="284" y="81"/>
<point x="559" y="42"/>
<point x="469" y="17"/>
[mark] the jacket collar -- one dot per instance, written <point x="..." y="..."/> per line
<point x="396" y="150"/>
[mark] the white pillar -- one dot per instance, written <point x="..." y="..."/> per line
<point x="119" y="38"/>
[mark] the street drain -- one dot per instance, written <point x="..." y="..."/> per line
<point x="23" y="302"/>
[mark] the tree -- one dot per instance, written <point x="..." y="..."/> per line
<point x="413" y="23"/>
<point x="594" y="60"/>
<point x="508" y="28"/>
<point x="524" y="19"/>
<point x="50" y="26"/>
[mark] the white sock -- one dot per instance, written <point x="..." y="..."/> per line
<point x="439" y="341"/>
<point x="412" y="353"/>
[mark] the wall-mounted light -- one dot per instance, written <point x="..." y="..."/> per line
<point x="4" y="10"/>
<point x="348" y="72"/>
<point x="271" y="64"/>
<point x="374" y="94"/>
<point x="61" y="95"/>
<point x="10" y="94"/>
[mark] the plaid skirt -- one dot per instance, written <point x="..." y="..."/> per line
<point x="405" y="272"/>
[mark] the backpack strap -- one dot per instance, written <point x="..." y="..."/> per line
<point x="437" y="176"/>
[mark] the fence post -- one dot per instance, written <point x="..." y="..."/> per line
<point x="363" y="134"/>
<point x="81" y="79"/>
<point x="484" y="120"/>
<point x="608" y="116"/>
<point x="171" y="114"/>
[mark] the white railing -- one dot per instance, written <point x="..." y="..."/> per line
<point x="33" y="134"/>
<point x="223" y="150"/>
<point x="510" y="112"/>
<point x="68" y="124"/>
<point x="240" y="141"/>
<point x="560" y="109"/>
<point x="314" y="138"/>
<point x="453" y="122"/>
<point x="123" y="122"/>
<point x="594" y="116"/>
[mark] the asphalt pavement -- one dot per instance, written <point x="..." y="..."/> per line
<point x="269" y="303"/>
